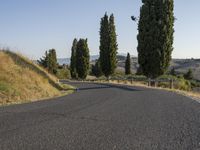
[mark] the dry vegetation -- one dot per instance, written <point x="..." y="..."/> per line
<point x="23" y="81"/>
<point x="193" y="95"/>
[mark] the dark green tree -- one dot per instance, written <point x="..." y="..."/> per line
<point x="108" y="45"/>
<point x="189" y="75"/>
<point x="96" y="69"/>
<point x="155" y="38"/>
<point x="82" y="59"/>
<point x="52" y="61"/>
<point x="73" y="59"/>
<point x="49" y="61"/>
<point x="104" y="45"/>
<point x="112" y="46"/>
<point x="128" y="65"/>
<point x="44" y="60"/>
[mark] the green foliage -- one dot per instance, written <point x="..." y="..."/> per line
<point x="49" y="61"/>
<point x="155" y="38"/>
<point x="52" y="61"/>
<point x="112" y="45"/>
<point x="189" y="75"/>
<point x="44" y="60"/>
<point x="73" y="59"/>
<point x="63" y="73"/>
<point x="96" y="69"/>
<point x="179" y="82"/>
<point x="108" y="45"/>
<point x="128" y="65"/>
<point x="183" y="84"/>
<point x="82" y="58"/>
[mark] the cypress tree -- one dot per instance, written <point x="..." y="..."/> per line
<point x="108" y="45"/>
<point x="73" y="59"/>
<point x="104" y="45"/>
<point x="128" y="65"/>
<point x="155" y="38"/>
<point x="52" y="61"/>
<point x="82" y="58"/>
<point x="112" y="46"/>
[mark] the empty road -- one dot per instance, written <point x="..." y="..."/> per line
<point x="103" y="117"/>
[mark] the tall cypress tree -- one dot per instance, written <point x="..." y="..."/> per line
<point x="104" y="45"/>
<point x="155" y="38"/>
<point x="128" y="65"/>
<point x="73" y="59"/>
<point x="112" y="45"/>
<point x="108" y="45"/>
<point x="82" y="58"/>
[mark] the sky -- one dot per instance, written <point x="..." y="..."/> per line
<point x="33" y="26"/>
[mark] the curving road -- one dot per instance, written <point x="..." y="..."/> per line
<point x="103" y="117"/>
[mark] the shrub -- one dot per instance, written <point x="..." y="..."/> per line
<point x="63" y="74"/>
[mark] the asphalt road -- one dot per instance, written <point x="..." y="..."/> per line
<point x="103" y="117"/>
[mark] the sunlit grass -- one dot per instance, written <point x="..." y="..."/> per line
<point x="22" y="81"/>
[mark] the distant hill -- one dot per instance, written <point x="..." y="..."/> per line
<point x="66" y="61"/>
<point x="180" y="65"/>
<point x="22" y="80"/>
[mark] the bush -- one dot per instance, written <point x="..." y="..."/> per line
<point x="179" y="82"/>
<point x="63" y="74"/>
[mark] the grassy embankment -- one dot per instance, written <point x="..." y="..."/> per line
<point x="23" y="81"/>
<point x="181" y="86"/>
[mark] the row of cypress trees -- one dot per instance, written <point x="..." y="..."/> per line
<point x="49" y="61"/>
<point x="107" y="62"/>
<point x="155" y="42"/>
<point x="80" y="59"/>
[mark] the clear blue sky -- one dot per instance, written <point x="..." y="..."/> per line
<point x="33" y="26"/>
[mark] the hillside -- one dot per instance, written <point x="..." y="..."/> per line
<point x="21" y="80"/>
<point x="180" y="65"/>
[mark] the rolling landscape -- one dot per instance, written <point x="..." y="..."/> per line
<point x="180" y="65"/>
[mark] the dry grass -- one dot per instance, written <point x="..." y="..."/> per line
<point x="193" y="95"/>
<point x="22" y="81"/>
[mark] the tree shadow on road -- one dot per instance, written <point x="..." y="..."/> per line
<point x="109" y="86"/>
